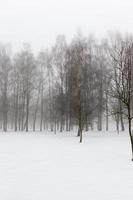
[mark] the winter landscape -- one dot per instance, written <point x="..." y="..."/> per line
<point x="66" y="100"/>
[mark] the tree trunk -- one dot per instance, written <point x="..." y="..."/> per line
<point x="130" y="129"/>
<point x="27" y="114"/>
<point x="121" y="117"/>
<point x="107" y="113"/>
<point x="16" y="110"/>
<point x="41" y="120"/>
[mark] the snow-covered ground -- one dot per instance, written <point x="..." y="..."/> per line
<point x="57" y="167"/>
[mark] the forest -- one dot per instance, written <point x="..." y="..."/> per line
<point x="77" y="84"/>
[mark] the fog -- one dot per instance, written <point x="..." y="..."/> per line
<point x="39" y="21"/>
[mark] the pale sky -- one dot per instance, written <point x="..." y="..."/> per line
<point x="40" y="21"/>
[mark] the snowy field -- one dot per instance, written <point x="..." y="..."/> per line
<point x="57" y="167"/>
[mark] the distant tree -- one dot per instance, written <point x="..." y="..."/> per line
<point x="59" y="62"/>
<point x="27" y="69"/>
<point x="5" y="70"/>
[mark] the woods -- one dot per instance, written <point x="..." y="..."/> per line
<point x="78" y="84"/>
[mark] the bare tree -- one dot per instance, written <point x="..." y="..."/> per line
<point x="5" y="69"/>
<point x="122" y="58"/>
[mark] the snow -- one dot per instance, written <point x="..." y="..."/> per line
<point x="45" y="166"/>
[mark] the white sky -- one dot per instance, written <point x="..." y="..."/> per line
<point x="40" y="21"/>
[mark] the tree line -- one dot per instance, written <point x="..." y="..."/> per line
<point x="81" y="83"/>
